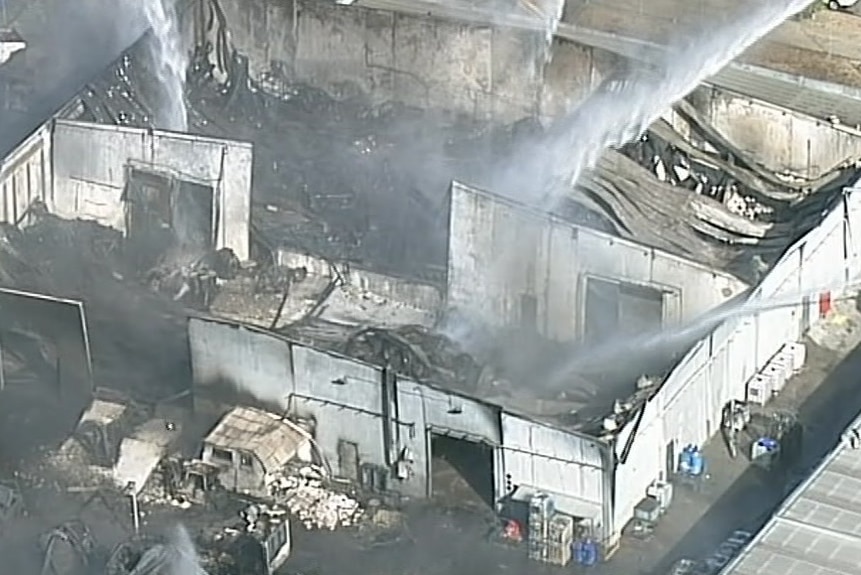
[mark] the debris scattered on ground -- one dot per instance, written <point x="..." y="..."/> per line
<point x="314" y="505"/>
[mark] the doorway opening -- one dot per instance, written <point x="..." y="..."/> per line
<point x="461" y="470"/>
<point x="164" y="212"/>
<point x="618" y="309"/>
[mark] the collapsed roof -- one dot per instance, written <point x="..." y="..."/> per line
<point x="350" y="182"/>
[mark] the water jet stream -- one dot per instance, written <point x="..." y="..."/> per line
<point x="685" y="335"/>
<point x="623" y="109"/>
<point x="171" y="63"/>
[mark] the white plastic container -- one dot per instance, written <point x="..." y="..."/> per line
<point x="798" y="351"/>
<point x="759" y="389"/>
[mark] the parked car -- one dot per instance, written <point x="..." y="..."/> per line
<point x="840" y="4"/>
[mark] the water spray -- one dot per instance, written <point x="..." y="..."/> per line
<point x="171" y="64"/>
<point x="684" y="335"/>
<point x="624" y="108"/>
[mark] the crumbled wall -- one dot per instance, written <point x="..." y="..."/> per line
<point x="347" y="50"/>
<point x="781" y="140"/>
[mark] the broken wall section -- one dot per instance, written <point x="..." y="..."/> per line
<point x="484" y="72"/>
<point x="45" y="346"/>
<point x="94" y="166"/>
<point x="26" y="175"/>
<point x="513" y="267"/>
<point x="364" y="297"/>
<point x="781" y="140"/>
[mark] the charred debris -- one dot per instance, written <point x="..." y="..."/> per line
<point x="349" y="181"/>
<point x="362" y="185"/>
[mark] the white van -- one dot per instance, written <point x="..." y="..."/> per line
<point x="840" y="4"/>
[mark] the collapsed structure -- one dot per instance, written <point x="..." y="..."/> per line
<point x="349" y="297"/>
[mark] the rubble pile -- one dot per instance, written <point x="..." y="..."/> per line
<point x="314" y="505"/>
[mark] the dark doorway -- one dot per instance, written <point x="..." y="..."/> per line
<point x="193" y="211"/>
<point x="529" y="313"/>
<point x="163" y="212"/>
<point x="641" y="309"/>
<point x="461" y="470"/>
<point x="601" y="317"/>
<point x="614" y="309"/>
<point x="348" y="460"/>
<point x="671" y="460"/>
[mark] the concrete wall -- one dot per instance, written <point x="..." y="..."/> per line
<point x="779" y="139"/>
<point x="368" y="297"/>
<point x="26" y="175"/>
<point x="500" y="250"/>
<point x="266" y="367"/>
<point x="483" y="72"/>
<point x="687" y="408"/>
<point x="90" y="163"/>
<point x="419" y="61"/>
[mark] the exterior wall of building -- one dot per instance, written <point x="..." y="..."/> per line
<point x="779" y="139"/>
<point x="543" y="458"/>
<point x="228" y="357"/>
<point x="500" y="251"/>
<point x="351" y="410"/>
<point x="26" y="175"/>
<point x="419" y="61"/>
<point x="484" y="72"/>
<point x="687" y="408"/>
<point x="301" y="380"/>
<point x="433" y="411"/>
<point x="90" y="171"/>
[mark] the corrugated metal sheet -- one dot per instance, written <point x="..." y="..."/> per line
<point x="815" y="98"/>
<point x="818" y="529"/>
<point x="643" y="465"/>
<point x="271" y="438"/>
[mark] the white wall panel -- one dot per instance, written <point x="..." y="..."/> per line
<point x="26" y="175"/>
<point x="541" y="457"/>
<point x="90" y="162"/>
<point x="500" y="250"/>
<point x="718" y="369"/>
<point x="644" y="464"/>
